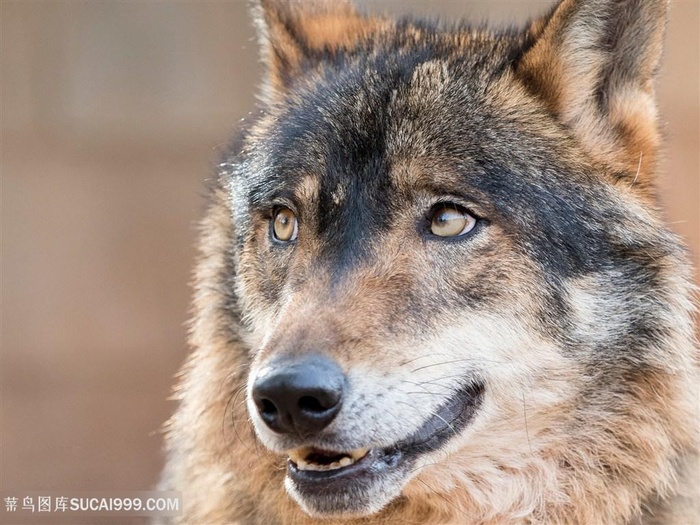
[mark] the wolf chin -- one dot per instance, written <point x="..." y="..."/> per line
<point x="435" y="285"/>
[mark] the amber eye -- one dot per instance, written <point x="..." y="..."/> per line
<point x="284" y="225"/>
<point x="450" y="220"/>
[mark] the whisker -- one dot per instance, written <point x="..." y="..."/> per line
<point x="463" y="360"/>
<point x="639" y="169"/>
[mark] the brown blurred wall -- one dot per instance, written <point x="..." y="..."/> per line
<point x="111" y="116"/>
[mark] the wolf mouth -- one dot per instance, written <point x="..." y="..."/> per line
<point x="317" y="474"/>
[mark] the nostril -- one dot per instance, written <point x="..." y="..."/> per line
<point x="311" y="404"/>
<point x="267" y="407"/>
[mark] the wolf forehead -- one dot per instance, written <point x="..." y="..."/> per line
<point x="385" y="101"/>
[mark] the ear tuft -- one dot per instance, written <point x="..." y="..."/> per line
<point x="296" y="34"/>
<point x="593" y="62"/>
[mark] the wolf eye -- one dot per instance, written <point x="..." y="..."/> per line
<point x="284" y="225"/>
<point x="450" y="220"/>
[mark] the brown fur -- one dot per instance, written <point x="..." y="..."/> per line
<point x="566" y="435"/>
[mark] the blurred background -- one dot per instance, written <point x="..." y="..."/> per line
<point x="112" y="113"/>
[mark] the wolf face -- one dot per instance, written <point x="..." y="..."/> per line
<point x="436" y="270"/>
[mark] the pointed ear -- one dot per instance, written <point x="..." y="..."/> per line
<point x="297" y="34"/>
<point x="594" y="63"/>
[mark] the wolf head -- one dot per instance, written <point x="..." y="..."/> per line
<point x="441" y="265"/>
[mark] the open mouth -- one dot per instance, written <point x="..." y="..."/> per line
<point x="316" y="475"/>
<point x="311" y="459"/>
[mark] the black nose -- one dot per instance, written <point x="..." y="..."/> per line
<point x="299" y="396"/>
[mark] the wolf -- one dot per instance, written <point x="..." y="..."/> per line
<point x="435" y="282"/>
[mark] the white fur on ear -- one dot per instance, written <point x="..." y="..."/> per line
<point x="593" y="62"/>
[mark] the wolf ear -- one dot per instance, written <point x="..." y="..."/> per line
<point x="594" y="63"/>
<point x="296" y="34"/>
